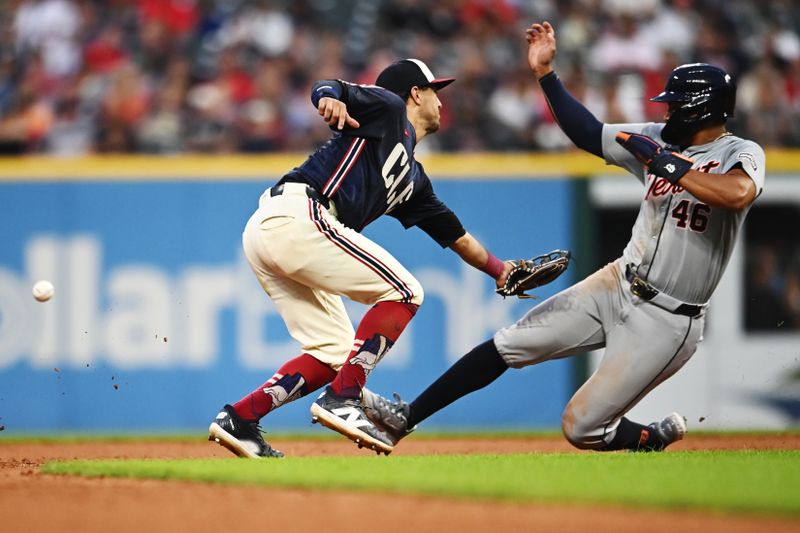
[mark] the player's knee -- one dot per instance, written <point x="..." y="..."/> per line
<point x="418" y="293"/>
<point x="575" y="437"/>
<point x="334" y="352"/>
<point x="409" y="292"/>
<point x="580" y="432"/>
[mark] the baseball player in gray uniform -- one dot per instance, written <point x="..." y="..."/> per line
<point x="646" y="308"/>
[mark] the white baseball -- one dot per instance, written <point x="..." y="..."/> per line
<point x="43" y="290"/>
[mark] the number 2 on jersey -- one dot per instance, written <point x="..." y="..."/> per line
<point x="695" y="216"/>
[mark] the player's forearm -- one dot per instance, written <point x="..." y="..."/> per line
<point x="470" y="250"/>
<point x="730" y="191"/>
<point x="577" y="122"/>
<point x="476" y="255"/>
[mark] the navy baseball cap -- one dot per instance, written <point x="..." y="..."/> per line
<point x="401" y="76"/>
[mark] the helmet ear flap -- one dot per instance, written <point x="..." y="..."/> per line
<point x="676" y="132"/>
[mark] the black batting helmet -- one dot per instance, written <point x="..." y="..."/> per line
<point x="706" y="94"/>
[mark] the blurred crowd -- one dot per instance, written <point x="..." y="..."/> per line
<point x="772" y="288"/>
<point x="221" y="76"/>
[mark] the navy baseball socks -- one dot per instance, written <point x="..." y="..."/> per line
<point x="477" y="369"/>
<point x="474" y="371"/>
<point x="651" y="438"/>
<point x="241" y="437"/>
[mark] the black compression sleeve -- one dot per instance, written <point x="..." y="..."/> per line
<point x="575" y="120"/>
<point x="444" y="228"/>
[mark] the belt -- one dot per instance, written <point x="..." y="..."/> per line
<point x="647" y="292"/>
<point x="311" y="192"/>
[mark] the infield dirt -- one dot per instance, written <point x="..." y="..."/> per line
<point x="31" y="501"/>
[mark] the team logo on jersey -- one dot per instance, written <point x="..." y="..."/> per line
<point x="394" y="169"/>
<point x="708" y="167"/>
<point x="661" y="187"/>
<point x="746" y="157"/>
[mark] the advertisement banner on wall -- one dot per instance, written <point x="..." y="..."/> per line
<point x="157" y="320"/>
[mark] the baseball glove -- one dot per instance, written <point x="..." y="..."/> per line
<point x="527" y="274"/>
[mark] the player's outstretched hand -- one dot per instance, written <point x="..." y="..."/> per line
<point x="664" y="163"/>
<point x="508" y="266"/>
<point x="541" y="48"/>
<point x="527" y="274"/>
<point x="335" y="114"/>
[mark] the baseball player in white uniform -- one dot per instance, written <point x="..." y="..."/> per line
<point x="305" y="246"/>
<point x="646" y="308"/>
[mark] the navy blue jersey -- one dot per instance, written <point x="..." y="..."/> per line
<point x="370" y="171"/>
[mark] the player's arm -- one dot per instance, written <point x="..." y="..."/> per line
<point x="446" y="229"/>
<point x="443" y="226"/>
<point x="368" y="109"/>
<point x="475" y="254"/>
<point x="733" y="190"/>
<point x="577" y="122"/>
<point x="427" y="212"/>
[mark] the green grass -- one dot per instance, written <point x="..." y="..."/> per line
<point x="729" y="481"/>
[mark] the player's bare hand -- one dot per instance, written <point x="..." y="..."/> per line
<point x="501" y="281"/>
<point x="541" y="48"/>
<point x="335" y="114"/>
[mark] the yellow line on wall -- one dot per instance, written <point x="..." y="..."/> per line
<point x="264" y="167"/>
<point x="269" y="167"/>
<point x="145" y="168"/>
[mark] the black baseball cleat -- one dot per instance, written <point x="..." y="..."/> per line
<point x="346" y="416"/>
<point x="390" y="416"/>
<point x="239" y="436"/>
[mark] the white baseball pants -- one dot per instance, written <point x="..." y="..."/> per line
<point x="305" y="259"/>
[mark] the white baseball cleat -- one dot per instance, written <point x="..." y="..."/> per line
<point x="346" y="416"/>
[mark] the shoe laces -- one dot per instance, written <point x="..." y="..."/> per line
<point x="667" y="429"/>
<point x="253" y="429"/>
<point x="257" y="431"/>
<point x="398" y="406"/>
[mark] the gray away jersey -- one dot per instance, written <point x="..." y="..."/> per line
<point x="680" y="244"/>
